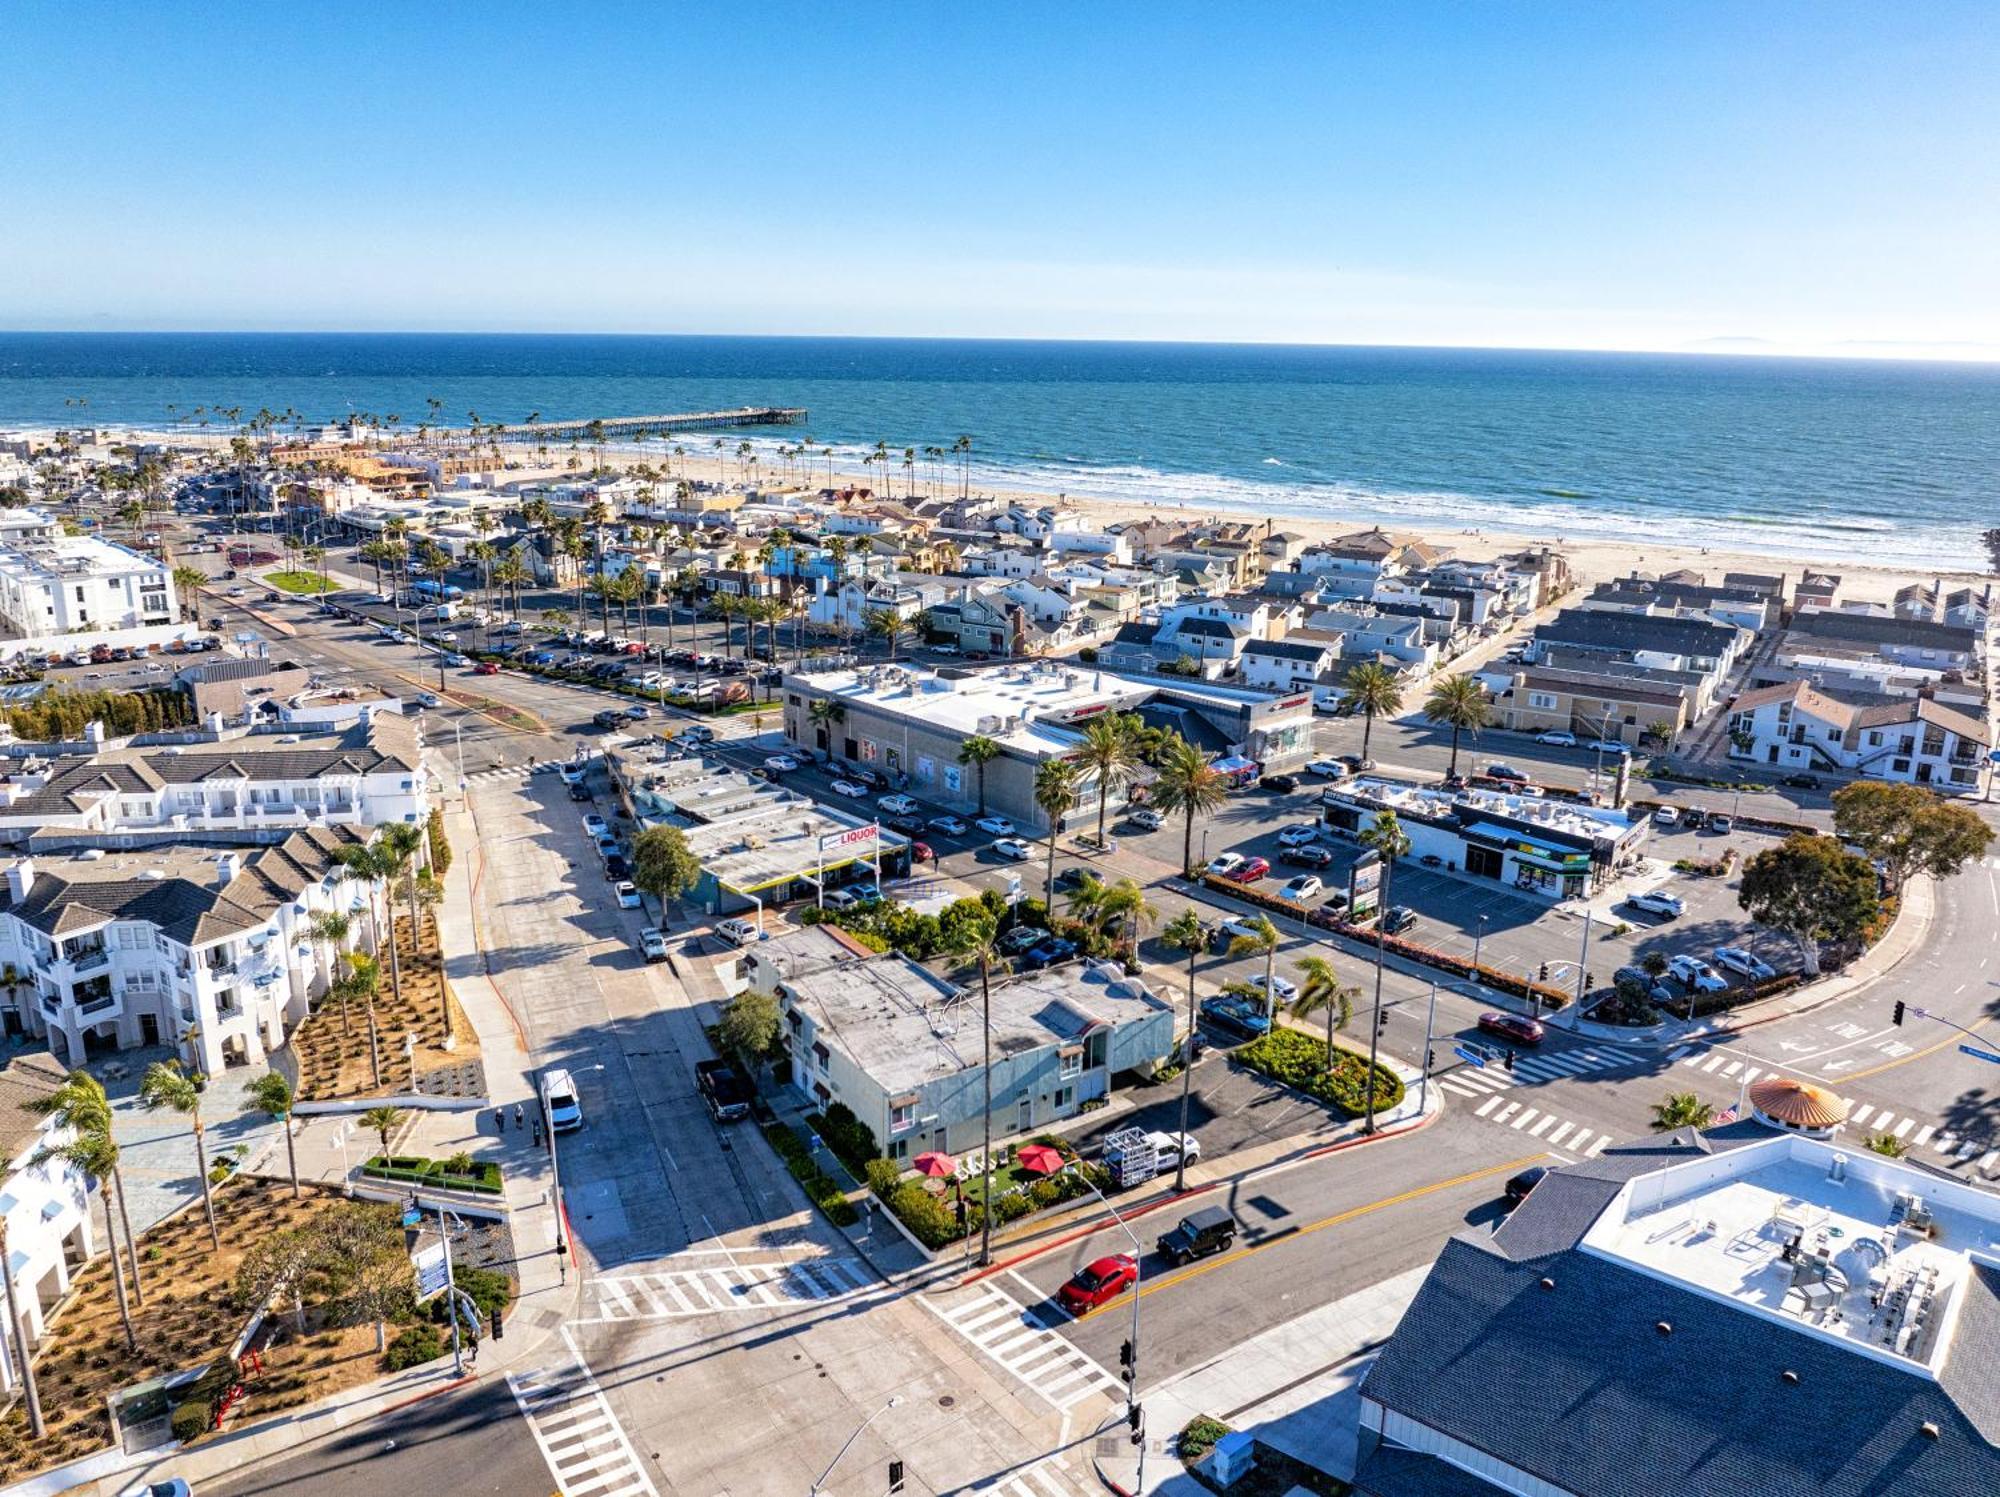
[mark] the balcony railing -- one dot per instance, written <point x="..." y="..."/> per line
<point x="90" y="961"/>
<point x="98" y="1005"/>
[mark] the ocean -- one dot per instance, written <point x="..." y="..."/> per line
<point x="1852" y="461"/>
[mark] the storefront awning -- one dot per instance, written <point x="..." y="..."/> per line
<point x="1530" y="850"/>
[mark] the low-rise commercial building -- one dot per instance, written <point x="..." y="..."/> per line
<point x="1549" y="848"/>
<point x="901" y="1045"/>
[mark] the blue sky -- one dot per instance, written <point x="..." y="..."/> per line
<point x="1816" y="175"/>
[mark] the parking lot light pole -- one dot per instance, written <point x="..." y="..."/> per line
<point x="1478" y="935"/>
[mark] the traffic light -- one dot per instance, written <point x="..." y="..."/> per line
<point x="1135" y="1416"/>
<point x="1126" y="1356"/>
<point x="499" y="1324"/>
<point x="1430" y="1061"/>
<point x="1897" y="1017"/>
<point x="1544" y="977"/>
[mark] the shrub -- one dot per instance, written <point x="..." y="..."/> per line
<point x="1299" y="1061"/>
<point x="191" y="1420"/>
<point x="819" y="1187"/>
<point x="930" y="1221"/>
<point x="884" y="1175"/>
<point x="412" y="1348"/>
<point x="1199" y="1437"/>
<point x="848" y="1137"/>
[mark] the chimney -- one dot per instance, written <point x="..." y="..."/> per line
<point x="93" y="731"/>
<point x="214" y="723"/>
<point x="20" y="879"/>
<point x="226" y="865"/>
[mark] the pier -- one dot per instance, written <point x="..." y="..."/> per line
<point x="650" y="426"/>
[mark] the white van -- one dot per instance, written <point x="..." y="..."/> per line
<point x="559" y="1095"/>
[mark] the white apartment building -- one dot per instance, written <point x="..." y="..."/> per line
<point x="366" y="773"/>
<point x="46" y="1206"/>
<point x="57" y="584"/>
<point x="1913" y="741"/>
<point x="202" y="947"/>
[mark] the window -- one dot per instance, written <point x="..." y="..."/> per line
<point x="1070" y="1064"/>
<point x="1900" y="766"/>
<point x="821" y="1055"/>
<point x="1065" y="1095"/>
<point x="1544" y="701"/>
<point x="902" y="1116"/>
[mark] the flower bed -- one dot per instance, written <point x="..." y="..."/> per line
<point x="1299" y="1060"/>
<point x="1443" y="961"/>
<point x="824" y="1191"/>
<point x="930" y="1210"/>
<point x="414" y="1169"/>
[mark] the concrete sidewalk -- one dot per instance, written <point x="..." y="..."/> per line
<point x="1295" y="1388"/>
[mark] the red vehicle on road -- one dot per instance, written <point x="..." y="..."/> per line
<point x="486" y="668"/>
<point x="1512" y="1027"/>
<point x="1101" y="1281"/>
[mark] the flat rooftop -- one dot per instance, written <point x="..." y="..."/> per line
<point x="695" y="789"/>
<point x="1833" y="1241"/>
<point x="770" y="844"/>
<point x="1592" y="823"/>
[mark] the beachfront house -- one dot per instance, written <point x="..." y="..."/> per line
<point x="1911" y="740"/>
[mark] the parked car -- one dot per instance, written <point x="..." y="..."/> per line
<point x="486" y="668"/>
<point x="1331" y="769"/>
<point x="628" y="894"/>
<point x="1249" y="870"/>
<point x="610" y="717"/>
<point x="1224" y="865"/>
<point x="696" y="733"/>
<point x="1801" y="781"/>
<point x="638" y="712"/>
<point x="1309" y="856"/>
<point x="1232" y="926"/>
<point x="1073" y="877"/>
<point x="559" y="1097"/>
<point x="1014" y="848"/>
<point x="725" y="1089"/>
<point x="1693" y="972"/>
<point x="596" y="825"/>
<point x="1557" y="740"/>
<point x="1737" y="960"/>
<point x="1608" y="746"/>
<point x="848" y="899"/>
<point x="780" y="763"/>
<point x="653" y="944"/>
<point x="616" y="868"/>
<point x="1305" y="886"/>
<point x="1518" y="1186"/>
<point x="1666" y="816"/>
<point x="1146" y="817"/>
<point x="1299" y="836"/>
<point x="995" y="826"/>
<point x="1234" y="1011"/>
<point x="853" y="789"/>
<point x="907" y="825"/>
<point x="1283" y="784"/>
<point x="1522" y="1031"/>
<point x="1021" y="938"/>
<point x="578" y="791"/>
<point x="951" y="826"/>
<point x="1099" y="1283"/>
<point x="1718" y="822"/>
<point x="1658" y="902"/>
<point x="874" y="779"/>
<point x="739" y="932"/>
<point x="1050" y="953"/>
<point x="1282" y="989"/>
<point x="1198" y="1235"/>
<point x="1399" y="918"/>
<point x="1505" y="772"/>
<point x="897" y="805"/>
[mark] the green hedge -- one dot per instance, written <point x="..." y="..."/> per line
<point x="192" y="1419"/>
<point x="1299" y="1060"/>
<point x="414" y="1169"/>
<point x="1326" y="919"/>
<point x="850" y="1139"/>
<point x="419" y="1344"/>
<point x="821" y="1187"/>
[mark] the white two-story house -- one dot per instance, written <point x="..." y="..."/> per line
<point x="1912" y="741"/>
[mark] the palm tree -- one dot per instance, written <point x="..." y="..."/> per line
<point x="888" y="625"/>
<point x="91" y="1152"/>
<point x="1322" y="989"/>
<point x="1263" y="941"/>
<point x="975" y="940"/>
<point x="330" y="928"/>
<point x="270" y="1093"/>
<point x="1187" y="784"/>
<point x="1458" y="702"/>
<point x="1109" y="755"/>
<point x="17" y="1341"/>
<point x="1185" y="932"/>
<point x="979" y="751"/>
<point x="186" y="580"/>
<point x="165" y="1084"/>
<point x="1126" y="901"/>
<point x="383" y="1120"/>
<point x="1682" y="1110"/>
<point x="1086" y="901"/>
<point x="1055" y="793"/>
<point x="1384" y="836"/>
<point x="1374" y="691"/>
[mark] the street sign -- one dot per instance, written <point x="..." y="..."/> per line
<point x="432" y="1275"/>
<point x="412" y="1217"/>
<point x="1469" y="1055"/>
<point x="1978" y="1054"/>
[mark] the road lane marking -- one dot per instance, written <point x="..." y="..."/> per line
<point x="1525" y="1115"/>
<point x="1539" y="1128"/>
<point x="1487" y="1106"/>
<point x="1904" y="1130"/>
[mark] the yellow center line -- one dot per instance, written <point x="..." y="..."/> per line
<point x="1335" y="1220"/>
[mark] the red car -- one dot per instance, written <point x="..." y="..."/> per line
<point x="920" y="852"/>
<point x="486" y="668"/>
<point x="1252" y="870"/>
<point x="1103" y="1280"/>
<point x="1512" y="1027"/>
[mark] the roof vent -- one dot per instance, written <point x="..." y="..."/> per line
<point x="1930" y="1430"/>
<point x="1548" y="1283"/>
<point x="1789" y="1376"/>
<point x="1664" y="1327"/>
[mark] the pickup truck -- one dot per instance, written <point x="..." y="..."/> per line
<point x="726" y="1089"/>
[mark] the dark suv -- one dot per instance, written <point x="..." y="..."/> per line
<point x="1209" y="1230"/>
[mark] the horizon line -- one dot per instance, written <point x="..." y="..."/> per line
<point x="1733" y="347"/>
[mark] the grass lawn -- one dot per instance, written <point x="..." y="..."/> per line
<point x="305" y="584"/>
<point x="333" y="1054"/>
<point x="189" y="1317"/>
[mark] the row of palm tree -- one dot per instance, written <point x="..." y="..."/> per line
<point x="1458" y="702"/>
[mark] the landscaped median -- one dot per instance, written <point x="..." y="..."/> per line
<point x="1503" y="982"/>
<point x="1299" y="1061"/>
<point x="460" y="1172"/>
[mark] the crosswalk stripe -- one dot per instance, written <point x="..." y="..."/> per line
<point x="1715" y="1060"/>
<point x="1525" y="1115"/>
<point x="1904" y="1130"/>
<point x="1560" y="1134"/>
<point x="1502" y="1115"/>
<point x="1750" y="1074"/>
<point x="1923" y="1135"/>
<point x="1732" y="1068"/>
<point x="1485" y="1107"/>
<point x="1987" y="1160"/>
<point x="1019" y="1341"/>
<point x="1676" y="1054"/>
<point x="1547" y="1118"/>
<point x="1603" y="1141"/>
<point x="1693" y="1060"/>
<point x="1860" y="1115"/>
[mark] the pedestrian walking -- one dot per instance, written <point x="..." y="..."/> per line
<point x="519" y="1116"/>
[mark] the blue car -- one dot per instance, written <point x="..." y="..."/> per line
<point x="1050" y="953"/>
<point x="1234" y="1011"/>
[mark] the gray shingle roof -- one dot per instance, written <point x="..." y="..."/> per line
<point x="1288" y="649"/>
<point x="1390" y="1471"/>
<point x="1861" y="628"/>
<point x="1604" y="628"/>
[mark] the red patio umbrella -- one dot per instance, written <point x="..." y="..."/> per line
<point x="937" y="1166"/>
<point x="1039" y="1159"/>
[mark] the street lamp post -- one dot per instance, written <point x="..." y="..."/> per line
<point x="555" y="1169"/>
<point x="1430" y="1025"/>
<point x="1381" y="952"/>
<point x="819" y="1487"/>
<point x="1187" y="1080"/>
<point x="1478" y="935"/>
